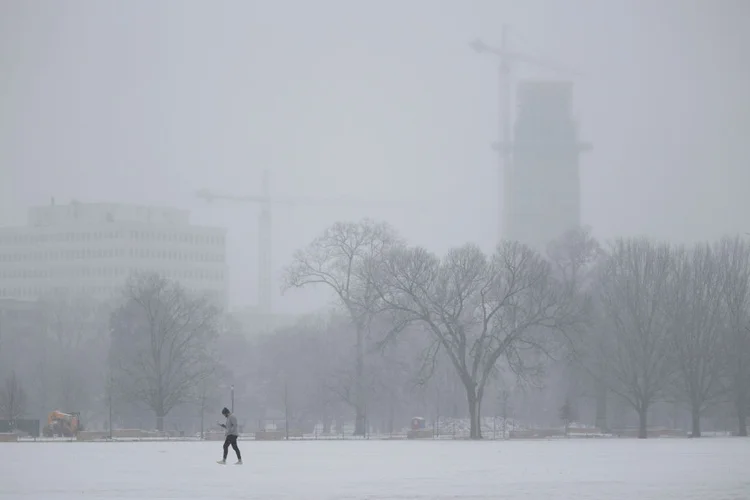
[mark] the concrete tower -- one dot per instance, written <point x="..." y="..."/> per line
<point x="544" y="194"/>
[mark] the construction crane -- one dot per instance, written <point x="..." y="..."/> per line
<point x="504" y="146"/>
<point x="265" y="280"/>
<point x="264" y="237"/>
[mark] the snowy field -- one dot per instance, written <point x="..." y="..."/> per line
<point x="612" y="469"/>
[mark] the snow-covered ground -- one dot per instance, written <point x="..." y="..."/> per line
<point x="613" y="469"/>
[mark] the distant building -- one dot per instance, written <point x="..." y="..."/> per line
<point x="545" y="193"/>
<point x="14" y="315"/>
<point x="93" y="247"/>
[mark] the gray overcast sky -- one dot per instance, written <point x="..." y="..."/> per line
<point x="147" y="101"/>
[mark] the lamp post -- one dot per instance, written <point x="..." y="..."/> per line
<point x="111" y="384"/>
<point x="286" y="409"/>
<point x="232" y="396"/>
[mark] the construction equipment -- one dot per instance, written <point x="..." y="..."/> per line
<point x="504" y="145"/>
<point x="62" y="424"/>
<point x="265" y="282"/>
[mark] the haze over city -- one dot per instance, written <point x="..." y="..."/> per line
<point x="147" y="103"/>
<point x="411" y="226"/>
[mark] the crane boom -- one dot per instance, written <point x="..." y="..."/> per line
<point x="292" y="200"/>
<point x="209" y="196"/>
<point x="264" y="226"/>
<point x="511" y="56"/>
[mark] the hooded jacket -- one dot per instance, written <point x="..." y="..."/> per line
<point x="231" y="426"/>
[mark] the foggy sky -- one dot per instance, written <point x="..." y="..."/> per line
<point x="146" y="102"/>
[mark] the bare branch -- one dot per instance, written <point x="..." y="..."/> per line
<point x="477" y="309"/>
<point x="12" y="398"/>
<point x="734" y="261"/>
<point x="161" y="343"/>
<point x="630" y="351"/>
<point x="339" y="260"/>
<point x="695" y="327"/>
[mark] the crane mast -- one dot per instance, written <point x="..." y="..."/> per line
<point x="265" y="262"/>
<point x="265" y="279"/>
<point x="504" y="146"/>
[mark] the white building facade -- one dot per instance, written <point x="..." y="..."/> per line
<point x="93" y="248"/>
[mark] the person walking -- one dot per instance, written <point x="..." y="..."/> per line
<point x="231" y="433"/>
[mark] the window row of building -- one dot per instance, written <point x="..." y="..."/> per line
<point x="112" y="253"/>
<point x="109" y="272"/>
<point x="145" y="236"/>
<point x="22" y="292"/>
<point x="34" y="292"/>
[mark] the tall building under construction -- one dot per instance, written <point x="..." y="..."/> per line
<point x="543" y="194"/>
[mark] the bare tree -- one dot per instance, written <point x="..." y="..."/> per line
<point x="505" y="400"/>
<point x="632" y="349"/>
<point x="335" y="259"/>
<point x="74" y="327"/>
<point x="478" y="309"/>
<point x="162" y="340"/>
<point x="57" y="346"/>
<point x="568" y="414"/>
<point x="23" y="348"/>
<point x="694" y="313"/>
<point x="734" y="258"/>
<point x="295" y="368"/>
<point x="396" y="387"/>
<point x="207" y="394"/>
<point x="12" y="398"/>
<point x="576" y="256"/>
<point x="237" y="356"/>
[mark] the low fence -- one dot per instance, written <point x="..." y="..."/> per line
<point x="447" y="430"/>
<point x="130" y="434"/>
<point x="516" y="436"/>
<point x="28" y="427"/>
<point x="658" y="432"/>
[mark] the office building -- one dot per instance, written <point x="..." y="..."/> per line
<point x="92" y="248"/>
<point x="544" y="181"/>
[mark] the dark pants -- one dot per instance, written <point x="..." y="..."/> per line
<point x="231" y="440"/>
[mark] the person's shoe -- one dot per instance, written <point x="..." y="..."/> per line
<point x="238" y="462"/>
<point x="222" y="462"/>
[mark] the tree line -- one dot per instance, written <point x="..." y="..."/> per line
<point x="412" y="333"/>
<point x="645" y="320"/>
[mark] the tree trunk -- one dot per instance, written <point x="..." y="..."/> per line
<point x="390" y="419"/>
<point x="642" y="418"/>
<point x="475" y="428"/>
<point x="742" y="415"/>
<point x="601" y="407"/>
<point x="326" y="423"/>
<point x="696" y="416"/>
<point x="203" y="412"/>
<point x="359" y="396"/>
<point x="159" y="422"/>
